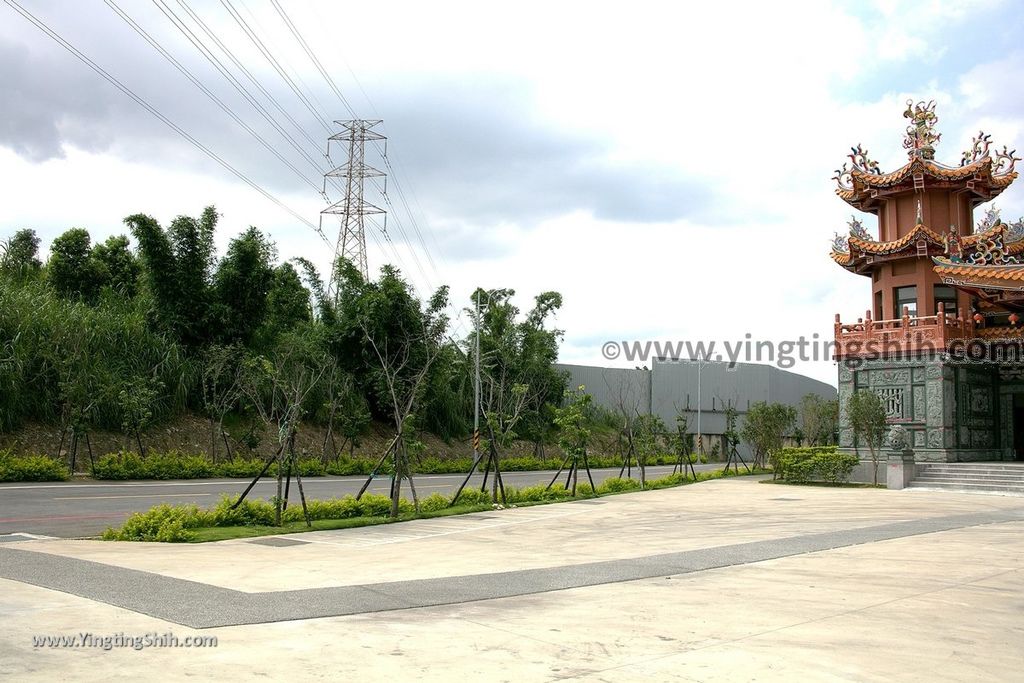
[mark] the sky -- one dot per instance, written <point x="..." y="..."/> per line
<point x="665" y="166"/>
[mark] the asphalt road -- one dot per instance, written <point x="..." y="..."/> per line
<point x="81" y="509"/>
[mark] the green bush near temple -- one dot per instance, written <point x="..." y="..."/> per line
<point x="818" y="463"/>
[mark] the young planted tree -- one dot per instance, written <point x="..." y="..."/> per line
<point x="389" y="337"/>
<point x="649" y="429"/>
<point x="819" y="418"/>
<point x="765" y="429"/>
<point x="222" y="380"/>
<point x="342" y="410"/>
<point x="626" y="399"/>
<point x="137" y="398"/>
<point x="683" y="443"/>
<point x="866" y="413"/>
<point x="277" y="386"/>
<point x="574" y="433"/>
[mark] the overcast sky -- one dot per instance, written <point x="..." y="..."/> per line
<point x="665" y="166"/>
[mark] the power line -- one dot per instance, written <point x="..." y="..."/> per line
<point x="214" y="61"/>
<point x="273" y="61"/>
<point x="53" y="35"/>
<point x="312" y="56"/>
<point x="206" y="91"/>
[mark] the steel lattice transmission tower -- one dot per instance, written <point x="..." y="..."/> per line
<point x="352" y="208"/>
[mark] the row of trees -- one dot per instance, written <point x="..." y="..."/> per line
<point x="102" y="335"/>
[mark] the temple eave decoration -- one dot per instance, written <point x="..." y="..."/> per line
<point x="857" y="251"/>
<point x="987" y="171"/>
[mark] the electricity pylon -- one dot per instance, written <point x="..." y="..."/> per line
<point x="351" y="242"/>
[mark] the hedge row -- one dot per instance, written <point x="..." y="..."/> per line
<point x="176" y="523"/>
<point x="819" y="463"/>
<point x="31" y="468"/>
<point x="177" y="465"/>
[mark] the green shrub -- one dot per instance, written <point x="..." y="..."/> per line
<point x="527" y="464"/>
<point x="119" y="466"/>
<point x="535" y="494"/>
<point x="617" y="485"/>
<point x="337" y="508"/>
<point x="175" y="465"/>
<point x="374" y="505"/>
<point x="347" y="466"/>
<point x="667" y="481"/>
<point x="312" y="468"/>
<point x="165" y="523"/>
<point x="31" y="468"/>
<point x="240" y="467"/>
<point x="434" y="502"/>
<point x="818" y="463"/>
<point x="474" y="496"/>
<point x="249" y="513"/>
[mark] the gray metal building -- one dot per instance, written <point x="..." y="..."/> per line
<point x="672" y="385"/>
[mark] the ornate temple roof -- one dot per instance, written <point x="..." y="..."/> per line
<point x="1000" y="276"/>
<point x="852" y="251"/>
<point x="983" y="171"/>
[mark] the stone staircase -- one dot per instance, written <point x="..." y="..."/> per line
<point x="971" y="477"/>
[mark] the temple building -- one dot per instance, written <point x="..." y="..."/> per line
<point x="940" y="340"/>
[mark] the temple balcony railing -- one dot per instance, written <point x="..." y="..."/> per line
<point x="903" y="335"/>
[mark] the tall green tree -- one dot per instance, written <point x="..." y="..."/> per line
<point x="19" y="255"/>
<point x="765" y="428"/>
<point x="866" y="414"/>
<point x="119" y="267"/>
<point x="72" y="271"/>
<point x="242" y="284"/>
<point x="288" y="301"/>
<point x="178" y="272"/>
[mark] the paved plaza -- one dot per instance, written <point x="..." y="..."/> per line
<point x="724" y="580"/>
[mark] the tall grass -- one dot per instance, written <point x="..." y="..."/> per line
<point x="58" y="355"/>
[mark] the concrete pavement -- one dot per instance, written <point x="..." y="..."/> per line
<point x="725" y="580"/>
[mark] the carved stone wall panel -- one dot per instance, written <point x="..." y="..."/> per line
<point x="918" y="401"/>
<point x="934" y="392"/>
<point x="890" y="377"/>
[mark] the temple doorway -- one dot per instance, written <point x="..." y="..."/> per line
<point x="1018" y="426"/>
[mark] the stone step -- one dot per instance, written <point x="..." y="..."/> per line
<point x="1012" y="466"/>
<point x="970" y="480"/>
<point x="972" y="473"/>
<point x="973" y="488"/>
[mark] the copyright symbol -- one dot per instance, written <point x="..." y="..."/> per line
<point x="610" y="350"/>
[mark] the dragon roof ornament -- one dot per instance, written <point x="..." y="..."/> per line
<point x="1003" y="161"/>
<point x="921" y="137"/>
<point x="990" y="220"/>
